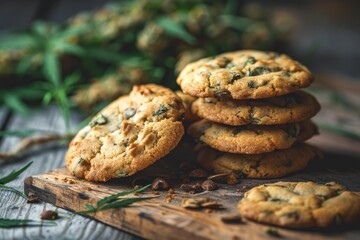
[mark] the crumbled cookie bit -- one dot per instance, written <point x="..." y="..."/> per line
<point x="195" y="203"/>
<point x="32" y="198"/>
<point x="273" y="231"/>
<point x="49" y="215"/>
<point x="159" y="184"/>
<point x="209" y="185"/>
<point x="196" y="188"/>
<point x="235" y="218"/>
<point x="233" y="179"/>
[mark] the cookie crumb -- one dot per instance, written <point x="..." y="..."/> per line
<point x="49" y="215"/>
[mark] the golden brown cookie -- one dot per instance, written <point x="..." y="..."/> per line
<point x="251" y="139"/>
<point x="266" y="165"/>
<point x="244" y="74"/>
<point x="301" y="204"/>
<point x="187" y="101"/>
<point x="128" y="135"/>
<point x="293" y="107"/>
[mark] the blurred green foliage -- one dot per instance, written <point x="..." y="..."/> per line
<point x="97" y="56"/>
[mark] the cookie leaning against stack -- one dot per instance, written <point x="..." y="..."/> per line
<point x="254" y="115"/>
<point x="128" y="135"/>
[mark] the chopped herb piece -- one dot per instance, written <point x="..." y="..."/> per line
<point x="258" y="71"/>
<point x="223" y="61"/>
<point x="286" y="73"/>
<point x="255" y="120"/>
<point x="230" y="65"/>
<point x="251" y="60"/>
<point x="292" y="215"/>
<point x="235" y="76"/>
<point x="129" y="112"/>
<point x="267" y="212"/>
<point x="121" y="174"/>
<point x="292" y="130"/>
<point x="160" y="111"/>
<point x="252" y="84"/>
<point x="101" y="120"/>
<point x="273" y="231"/>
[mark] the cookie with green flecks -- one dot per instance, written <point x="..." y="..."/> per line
<point x="127" y="136"/>
<point x="251" y="139"/>
<point x="292" y="107"/>
<point x="265" y="165"/>
<point x="301" y="204"/>
<point x="246" y="74"/>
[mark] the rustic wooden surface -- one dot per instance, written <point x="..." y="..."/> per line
<point x="157" y="219"/>
<point x="342" y="163"/>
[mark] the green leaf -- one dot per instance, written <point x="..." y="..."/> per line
<point x="10" y="223"/>
<point x="47" y="98"/>
<point x="41" y="28"/>
<point x="64" y="104"/>
<point x="236" y="22"/>
<point x="115" y="196"/>
<point x="14" y="174"/>
<point x="52" y="68"/>
<point x="13" y="190"/>
<point x="174" y="29"/>
<point x="74" y="31"/>
<point x="113" y="201"/>
<point x="14" y="103"/>
<point x="18" y="133"/>
<point x="122" y="203"/>
<point x="105" y="55"/>
<point x="16" y="42"/>
<point x="24" y="64"/>
<point x="65" y="47"/>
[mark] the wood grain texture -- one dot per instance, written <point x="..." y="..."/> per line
<point x="69" y="226"/>
<point x="157" y="219"/>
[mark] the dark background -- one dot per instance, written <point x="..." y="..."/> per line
<point x="325" y="37"/>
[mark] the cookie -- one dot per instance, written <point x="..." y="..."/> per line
<point x="301" y="204"/>
<point x="293" y="107"/>
<point x="128" y="135"/>
<point x="251" y="139"/>
<point x="266" y="165"/>
<point x="187" y="101"/>
<point x="244" y="74"/>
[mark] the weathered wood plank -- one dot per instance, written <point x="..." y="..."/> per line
<point x="13" y="206"/>
<point x="157" y="219"/>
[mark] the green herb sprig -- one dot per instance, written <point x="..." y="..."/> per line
<point x="14" y="174"/>
<point x="11" y="223"/>
<point x="112" y="201"/>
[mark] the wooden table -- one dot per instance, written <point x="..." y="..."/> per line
<point x="70" y="226"/>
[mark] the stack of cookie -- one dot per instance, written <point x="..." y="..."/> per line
<point x="255" y="118"/>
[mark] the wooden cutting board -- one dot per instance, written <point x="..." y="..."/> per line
<point x="160" y="218"/>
